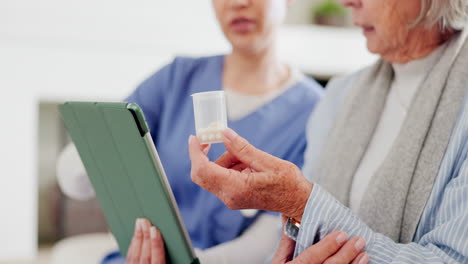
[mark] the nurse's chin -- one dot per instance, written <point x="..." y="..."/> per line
<point x="248" y="44"/>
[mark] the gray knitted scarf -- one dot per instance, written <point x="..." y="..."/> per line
<point x="397" y="193"/>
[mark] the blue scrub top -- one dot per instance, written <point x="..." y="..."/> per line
<point x="277" y="128"/>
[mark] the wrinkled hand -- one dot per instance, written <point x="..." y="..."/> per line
<point x="334" y="248"/>
<point x="147" y="246"/>
<point x="247" y="178"/>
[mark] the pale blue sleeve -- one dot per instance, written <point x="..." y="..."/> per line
<point x="324" y="214"/>
<point x="444" y="235"/>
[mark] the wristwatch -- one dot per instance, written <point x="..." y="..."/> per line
<point x="291" y="229"/>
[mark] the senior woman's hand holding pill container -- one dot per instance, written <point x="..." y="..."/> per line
<point x="247" y="178"/>
<point x="249" y="171"/>
<point x="210" y="113"/>
<point x="252" y="178"/>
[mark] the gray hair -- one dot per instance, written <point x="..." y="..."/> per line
<point x="449" y="14"/>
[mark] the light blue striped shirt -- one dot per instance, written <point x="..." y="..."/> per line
<point x="442" y="233"/>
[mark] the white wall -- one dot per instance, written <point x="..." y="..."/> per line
<point x="102" y="22"/>
<point x="17" y="161"/>
<point x="89" y="35"/>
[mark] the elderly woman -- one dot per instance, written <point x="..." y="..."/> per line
<point x="387" y="155"/>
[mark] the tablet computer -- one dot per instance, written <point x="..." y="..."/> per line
<point x="115" y="145"/>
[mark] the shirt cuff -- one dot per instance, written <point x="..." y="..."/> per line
<point x="319" y="218"/>
<point x="292" y="231"/>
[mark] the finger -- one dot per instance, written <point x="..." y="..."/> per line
<point x="208" y="175"/>
<point x="325" y="248"/>
<point x="131" y="248"/>
<point x="241" y="167"/>
<point x="198" y="158"/>
<point x="348" y="252"/>
<point x="158" y="256"/>
<point x="362" y="258"/>
<point x="227" y="184"/>
<point x="196" y="150"/>
<point x="133" y="253"/>
<point x="145" y="257"/>
<point x="286" y="247"/>
<point x="206" y="148"/>
<point x="227" y="160"/>
<point x="246" y="153"/>
<point x="285" y="250"/>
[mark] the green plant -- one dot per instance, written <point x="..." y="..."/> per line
<point x="329" y="8"/>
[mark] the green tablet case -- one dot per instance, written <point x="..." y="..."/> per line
<point x="118" y="153"/>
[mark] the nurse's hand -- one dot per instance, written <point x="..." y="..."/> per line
<point x="147" y="246"/>
<point x="333" y="248"/>
<point x="247" y="178"/>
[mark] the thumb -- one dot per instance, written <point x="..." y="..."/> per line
<point x="240" y="148"/>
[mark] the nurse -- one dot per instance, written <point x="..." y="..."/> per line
<point x="268" y="103"/>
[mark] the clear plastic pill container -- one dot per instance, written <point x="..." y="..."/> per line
<point x="210" y="116"/>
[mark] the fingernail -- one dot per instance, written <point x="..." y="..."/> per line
<point x="143" y="225"/>
<point x="364" y="259"/>
<point x="137" y="225"/>
<point x="153" y="232"/>
<point x="230" y="134"/>
<point x="360" y="244"/>
<point x="341" y="238"/>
